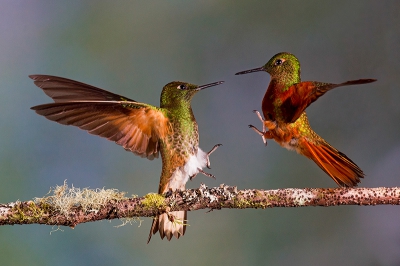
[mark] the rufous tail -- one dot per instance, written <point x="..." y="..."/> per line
<point x="335" y="163"/>
<point x="169" y="224"/>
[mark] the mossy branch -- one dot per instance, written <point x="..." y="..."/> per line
<point x="69" y="206"/>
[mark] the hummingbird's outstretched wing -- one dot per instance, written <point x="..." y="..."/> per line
<point x="300" y="95"/>
<point x="136" y="126"/>
<point x="67" y="90"/>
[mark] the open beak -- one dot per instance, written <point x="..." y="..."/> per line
<point x="250" y="71"/>
<point x="202" y="87"/>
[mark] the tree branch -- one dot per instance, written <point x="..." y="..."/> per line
<point x="69" y="206"/>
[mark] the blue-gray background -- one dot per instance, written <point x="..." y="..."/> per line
<point x="134" y="48"/>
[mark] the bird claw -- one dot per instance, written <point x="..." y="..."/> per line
<point x="204" y="173"/>
<point x="208" y="154"/>
<point x="168" y="193"/>
<point x="270" y="124"/>
<point x="259" y="116"/>
<point x="207" y="163"/>
<point x="259" y="132"/>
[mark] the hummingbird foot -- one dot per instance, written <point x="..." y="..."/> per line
<point x="209" y="153"/>
<point x="206" y="174"/>
<point x="270" y="124"/>
<point x="168" y="193"/>
<point x="171" y="217"/>
<point x="259" y="132"/>
<point x="259" y="115"/>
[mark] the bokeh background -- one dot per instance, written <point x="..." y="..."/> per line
<point x="134" y="48"/>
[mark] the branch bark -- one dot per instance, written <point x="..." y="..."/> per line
<point x="72" y="206"/>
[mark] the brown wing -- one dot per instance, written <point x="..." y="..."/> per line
<point x="301" y="95"/>
<point x="137" y="127"/>
<point x="67" y="90"/>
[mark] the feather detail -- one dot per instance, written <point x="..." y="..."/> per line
<point x="136" y="126"/>
<point x="300" y="95"/>
<point x="336" y="164"/>
<point x="178" y="179"/>
<point x="68" y="90"/>
<point x="168" y="228"/>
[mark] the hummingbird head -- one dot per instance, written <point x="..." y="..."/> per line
<point x="176" y="93"/>
<point x="283" y="67"/>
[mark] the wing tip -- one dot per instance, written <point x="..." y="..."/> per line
<point x="37" y="77"/>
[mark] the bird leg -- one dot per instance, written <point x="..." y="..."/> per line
<point x="261" y="119"/>
<point x="271" y="125"/>
<point x="206" y="174"/>
<point x="208" y="155"/>
<point x="207" y="164"/>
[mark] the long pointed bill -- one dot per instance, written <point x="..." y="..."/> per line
<point x="202" y="87"/>
<point x="250" y="71"/>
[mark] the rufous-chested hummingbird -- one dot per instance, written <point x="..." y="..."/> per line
<point x="285" y="119"/>
<point x="141" y="128"/>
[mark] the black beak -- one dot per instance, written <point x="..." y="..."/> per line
<point x="250" y="71"/>
<point x="202" y="87"/>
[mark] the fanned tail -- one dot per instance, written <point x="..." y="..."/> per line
<point x="168" y="228"/>
<point x="335" y="163"/>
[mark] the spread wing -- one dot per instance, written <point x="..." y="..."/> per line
<point x="136" y="126"/>
<point x="301" y="95"/>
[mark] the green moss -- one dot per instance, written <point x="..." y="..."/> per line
<point x="241" y="203"/>
<point x="273" y="198"/>
<point x="26" y="213"/>
<point x="35" y="210"/>
<point x="153" y="200"/>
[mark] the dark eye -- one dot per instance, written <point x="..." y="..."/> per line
<point x="278" y="62"/>
<point x="182" y="87"/>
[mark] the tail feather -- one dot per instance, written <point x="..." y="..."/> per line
<point x="169" y="228"/>
<point x="335" y="163"/>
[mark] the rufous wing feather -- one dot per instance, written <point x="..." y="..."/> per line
<point x="336" y="164"/>
<point x="134" y="127"/>
<point x="137" y="127"/>
<point x="300" y="95"/>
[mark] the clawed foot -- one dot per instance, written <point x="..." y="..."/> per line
<point x="259" y="132"/>
<point x="208" y="154"/>
<point x="207" y="163"/>
<point x="259" y="117"/>
<point x="204" y="173"/>
<point x="168" y="193"/>
<point x="271" y="125"/>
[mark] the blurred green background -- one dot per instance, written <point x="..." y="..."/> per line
<point x="134" y="48"/>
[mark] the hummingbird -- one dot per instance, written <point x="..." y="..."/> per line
<point x="146" y="130"/>
<point x="285" y="119"/>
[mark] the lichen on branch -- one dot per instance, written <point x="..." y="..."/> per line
<point x="69" y="206"/>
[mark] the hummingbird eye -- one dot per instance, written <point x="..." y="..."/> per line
<point x="182" y="87"/>
<point x="279" y="62"/>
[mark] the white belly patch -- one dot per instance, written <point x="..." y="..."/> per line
<point x="191" y="168"/>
